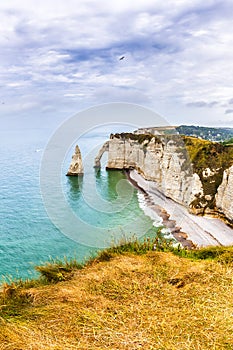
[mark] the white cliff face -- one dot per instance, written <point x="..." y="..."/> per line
<point x="224" y="196"/>
<point x="162" y="162"/>
<point x="76" y="166"/>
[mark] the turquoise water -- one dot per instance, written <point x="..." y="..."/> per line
<point x="27" y="235"/>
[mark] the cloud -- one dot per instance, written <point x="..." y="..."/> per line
<point x="228" y="111"/>
<point x="176" y="54"/>
<point x="201" y="104"/>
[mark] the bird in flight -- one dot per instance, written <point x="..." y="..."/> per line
<point x="121" y="58"/>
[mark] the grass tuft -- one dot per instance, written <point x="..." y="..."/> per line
<point x="59" y="270"/>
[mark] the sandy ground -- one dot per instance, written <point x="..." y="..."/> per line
<point x="202" y="231"/>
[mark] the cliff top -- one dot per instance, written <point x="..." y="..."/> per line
<point x="202" y="153"/>
<point x="140" y="138"/>
<point x="127" y="298"/>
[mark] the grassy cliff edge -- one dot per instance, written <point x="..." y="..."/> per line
<point x="137" y="295"/>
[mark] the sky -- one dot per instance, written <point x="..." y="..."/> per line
<point x="60" y="57"/>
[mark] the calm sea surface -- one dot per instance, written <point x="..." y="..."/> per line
<point x="27" y="235"/>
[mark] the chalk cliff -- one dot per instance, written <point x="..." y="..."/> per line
<point x="162" y="161"/>
<point x="185" y="169"/>
<point x="76" y="166"/>
<point x="224" y="197"/>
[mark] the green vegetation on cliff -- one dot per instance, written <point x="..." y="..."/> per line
<point x="206" y="154"/>
<point x="128" y="297"/>
<point x="209" y="160"/>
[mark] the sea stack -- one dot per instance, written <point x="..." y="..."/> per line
<point x="76" y="166"/>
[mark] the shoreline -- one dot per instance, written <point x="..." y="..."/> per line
<point x="180" y="237"/>
<point x="188" y="229"/>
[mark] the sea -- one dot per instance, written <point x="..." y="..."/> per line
<point x="106" y="207"/>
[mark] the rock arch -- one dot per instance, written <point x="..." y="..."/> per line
<point x="104" y="148"/>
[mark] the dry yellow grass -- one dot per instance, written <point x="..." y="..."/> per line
<point x="153" y="301"/>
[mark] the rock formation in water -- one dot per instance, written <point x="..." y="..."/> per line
<point x="76" y="166"/>
<point x="186" y="169"/>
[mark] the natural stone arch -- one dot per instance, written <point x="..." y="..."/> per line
<point x="104" y="148"/>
